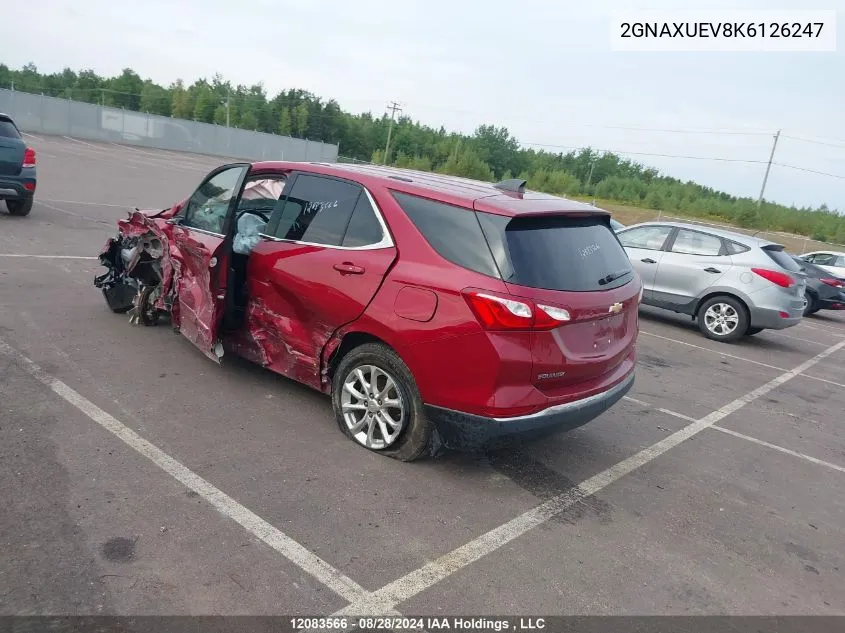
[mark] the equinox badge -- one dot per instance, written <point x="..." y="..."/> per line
<point x="616" y="308"/>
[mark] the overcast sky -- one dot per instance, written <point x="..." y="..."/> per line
<point x="542" y="68"/>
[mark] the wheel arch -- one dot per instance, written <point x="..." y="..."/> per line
<point x="722" y="293"/>
<point x="339" y="346"/>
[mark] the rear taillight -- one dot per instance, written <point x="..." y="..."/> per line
<point x="836" y="283"/>
<point x="781" y="279"/>
<point x="29" y="157"/>
<point x="501" y="313"/>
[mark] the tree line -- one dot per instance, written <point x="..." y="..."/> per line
<point x="490" y="153"/>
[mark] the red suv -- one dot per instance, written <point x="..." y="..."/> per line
<point x="433" y="309"/>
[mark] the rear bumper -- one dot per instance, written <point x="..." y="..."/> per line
<point x="466" y="431"/>
<point x="15" y="187"/>
<point x="833" y="304"/>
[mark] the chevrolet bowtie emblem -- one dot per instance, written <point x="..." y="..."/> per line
<point x="616" y="308"/>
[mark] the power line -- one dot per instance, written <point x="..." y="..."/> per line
<point x="619" y="151"/>
<point x="811" y="171"/>
<point x="817" y="142"/>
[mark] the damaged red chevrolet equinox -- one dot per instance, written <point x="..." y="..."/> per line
<point x="436" y="311"/>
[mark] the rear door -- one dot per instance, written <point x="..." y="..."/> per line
<point x="198" y="235"/>
<point x="12" y="148"/>
<point x="574" y="263"/>
<point x="324" y="255"/>
<point x="644" y="245"/>
<point x="693" y="261"/>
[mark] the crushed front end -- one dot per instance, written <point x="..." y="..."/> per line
<point x="140" y="271"/>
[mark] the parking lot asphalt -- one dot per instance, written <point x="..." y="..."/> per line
<point x="140" y="478"/>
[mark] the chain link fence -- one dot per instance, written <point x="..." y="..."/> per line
<point x="39" y="114"/>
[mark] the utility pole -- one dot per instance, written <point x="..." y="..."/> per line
<point x="768" y="167"/>
<point x="228" y="96"/>
<point x="393" y="107"/>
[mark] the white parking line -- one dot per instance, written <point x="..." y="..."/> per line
<point x="634" y="400"/>
<point x="93" y="204"/>
<point x="435" y="571"/>
<point x="306" y="560"/>
<point x="747" y="360"/>
<point x="28" y="135"/>
<point x="713" y="351"/>
<point x="798" y="338"/>
<point x="824" y="328"/>
<point x="47" y="256"/>
<point x="76" y="140"/>
<point x="820" y="462"/>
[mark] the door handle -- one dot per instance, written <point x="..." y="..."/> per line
<point x="710" y="269"/>
<point x="648" y="260"/>
<point x="348" y="268"/>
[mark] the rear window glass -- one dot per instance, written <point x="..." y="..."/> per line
<point x="8" y="129"/>
<point x="557" y="253"/>
<point x="782" y="259"/>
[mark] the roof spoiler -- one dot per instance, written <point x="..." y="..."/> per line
<point x="516" y="185"/>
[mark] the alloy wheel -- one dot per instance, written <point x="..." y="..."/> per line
<point x="372" y="406"/>
<point x="721" y="319"/>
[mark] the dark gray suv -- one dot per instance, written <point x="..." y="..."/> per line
<point x="17" y="168"/>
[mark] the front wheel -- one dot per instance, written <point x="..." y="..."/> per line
<point x="723" y="319"/>
<point x="19" y="207"/>
<point x="377" y="404"/>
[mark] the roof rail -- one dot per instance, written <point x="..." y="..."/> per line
<point x="517" y="185"/>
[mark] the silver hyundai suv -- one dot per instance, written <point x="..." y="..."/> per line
<point x="734" y="284"/>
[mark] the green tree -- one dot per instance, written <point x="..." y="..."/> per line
<point x="300" y="119"/>
<point x="182" y="100"/>
<point x="285" y="123"/>
<point x="467" y="163"/>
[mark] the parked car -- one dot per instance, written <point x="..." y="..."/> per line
<point x="831" y="261"/>
<point x="17" y="168"/>
<point x="616" y="225"/>
<point x="733" y="284"/>
<point x="824" y="291"/>
<point x="432" y="308"/>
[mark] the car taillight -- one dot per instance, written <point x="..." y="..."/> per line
<point x="781" y="279"/>
<point x="836" y="283"/>
<point x="501" y="313"/>
<point x="29" y="157"/>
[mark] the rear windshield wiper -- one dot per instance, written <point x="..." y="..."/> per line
<point x="613" y="276"/>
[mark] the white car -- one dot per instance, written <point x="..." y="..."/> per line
<point x="831" y="261"/>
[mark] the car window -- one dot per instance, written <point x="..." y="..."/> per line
<point x="824" y="259"/>
<point x="558" y="252"/>
<point x="452" y="231"/>
<point x="781" y="257"/>
<point x="364" y="228"/>
<point x="648" y="237"/>
<point x="261" y="195"/>
<point x="317" y="210"/>
<point x="208" y="207"/>
<point x="840" y="261"/>
<point x="735" y="248"/>
<point x="696" y="243"/>
<point x="8" y="129"/>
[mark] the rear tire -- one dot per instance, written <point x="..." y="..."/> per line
<point x="812" y="302"/>
<point x="412" y="431"/>
<point x="19" y="207"/>
<point x="723" y="318"/>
